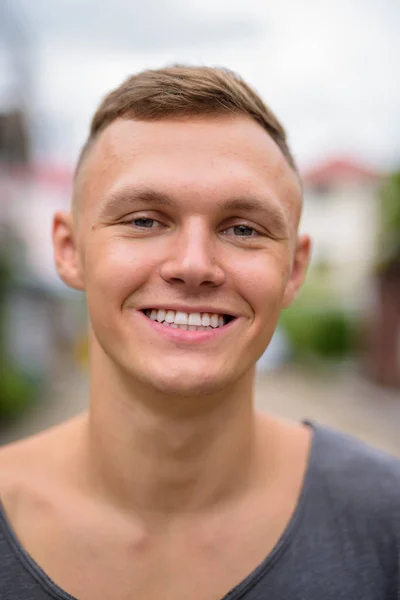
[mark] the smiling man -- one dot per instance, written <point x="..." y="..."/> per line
<point x="183" y="233"/>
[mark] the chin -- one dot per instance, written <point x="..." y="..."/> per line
<point x="186" y="382"/>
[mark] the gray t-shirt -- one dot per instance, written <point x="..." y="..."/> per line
<point x="342" y="543"/>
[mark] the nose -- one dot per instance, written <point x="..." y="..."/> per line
<point x="191" y="260"/>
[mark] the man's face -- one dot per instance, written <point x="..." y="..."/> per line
<point x="194" y="216"/>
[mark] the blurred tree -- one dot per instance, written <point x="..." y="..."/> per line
<point x="385" y="356"/>
<point x="13" y="138"/>
<point x="16" y="391"/>
<point x="389" y="234"/>
<point x="16" y="388"/>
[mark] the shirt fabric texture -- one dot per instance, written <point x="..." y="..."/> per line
<point x="342" y="542"/>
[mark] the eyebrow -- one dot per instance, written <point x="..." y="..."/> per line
<point x="275" y="215"/>
<point x="125" y="197"/>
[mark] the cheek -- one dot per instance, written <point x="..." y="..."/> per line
<point x="115" y="269"/>
<point x="263" y="281"/>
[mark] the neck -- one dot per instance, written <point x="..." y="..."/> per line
<point x="160" y="455"/>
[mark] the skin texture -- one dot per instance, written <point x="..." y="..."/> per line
<point x="192" y="255"/>
<point x="161" y="402"/>
<point x="171" y="486"/>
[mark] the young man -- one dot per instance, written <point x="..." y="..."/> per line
<point x="183" y="235"/>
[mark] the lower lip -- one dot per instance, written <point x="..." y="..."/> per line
<point x="183" y="335"/>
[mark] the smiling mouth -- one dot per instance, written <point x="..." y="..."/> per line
<point x="188" y="321"/>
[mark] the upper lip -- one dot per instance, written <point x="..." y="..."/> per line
<point x="189" y="309"/>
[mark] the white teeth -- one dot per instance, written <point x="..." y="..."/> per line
<point x="214" y="320"/>
<point x="170" y="316"/>
<point x="194" y="319"/>
<point x="188" y="327"/>
<point x="161" y="315"/>
<point x="205" y="320"/>
<point x="189" y="321"/>
<point x="181" y="318"/>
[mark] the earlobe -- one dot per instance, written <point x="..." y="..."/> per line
<point x="66" y="253"/>
<point x="301" y="261"/>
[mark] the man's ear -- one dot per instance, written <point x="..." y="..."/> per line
<point x="301" y="260"/>
<point x="66" y="253"/>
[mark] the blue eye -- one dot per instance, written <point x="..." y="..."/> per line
<point x="243" y="230"/>
<point x="143" y="222"/>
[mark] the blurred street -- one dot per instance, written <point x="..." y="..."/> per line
<point x="339" y="398"/>
<point x="347" y="312"/>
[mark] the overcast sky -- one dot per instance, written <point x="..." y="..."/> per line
<point x="329" y="69"/>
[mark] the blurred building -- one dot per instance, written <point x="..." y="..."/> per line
<point x="340" y="213"/>
<point x="33" y="315"/>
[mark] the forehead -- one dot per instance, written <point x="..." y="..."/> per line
<point x="197" y="158"/>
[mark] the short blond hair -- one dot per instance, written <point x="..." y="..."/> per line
<point x="185" y="91"/>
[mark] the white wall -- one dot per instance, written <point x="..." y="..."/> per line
<point x="343" y="224"/>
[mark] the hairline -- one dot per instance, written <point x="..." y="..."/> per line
<point x="93" y="138"/>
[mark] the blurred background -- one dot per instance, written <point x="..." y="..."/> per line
<point x="329" y="70"/>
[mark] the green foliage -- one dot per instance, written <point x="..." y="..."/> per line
<point x="17" y="389"/>
<point x="320" y="330"/>
<point x="389" y="227"/>
<point x="318" y="325"/>
<point x="17" y="392"/>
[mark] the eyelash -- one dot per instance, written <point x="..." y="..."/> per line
<point x="131" y="221"/>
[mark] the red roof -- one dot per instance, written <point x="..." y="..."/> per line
<point x="51" y="175"/>
<point x="340" y="170"/>
<point x="334" y="170"/>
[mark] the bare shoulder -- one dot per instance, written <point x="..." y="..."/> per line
<point x="35" y="461"/>
<point x="290" y="438"/>
<point x="46" y="445"/>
